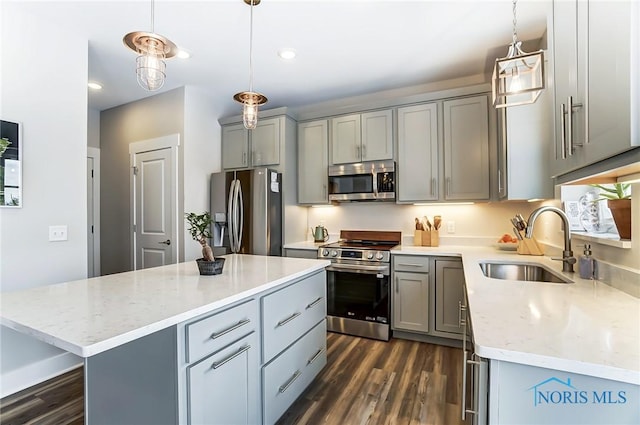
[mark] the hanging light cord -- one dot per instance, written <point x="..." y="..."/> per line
<point x="251" y="49"/>
<point x="152" y="12"/>
<point x="515" y="34"/>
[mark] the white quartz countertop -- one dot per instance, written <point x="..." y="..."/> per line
<point x="89" y="316"/>
<point x="585" y="327"/>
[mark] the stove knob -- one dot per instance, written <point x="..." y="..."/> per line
<point x="369" y="255"/>
<point x="325" y="252"/>
<point x="379" y="256"/>
<point x="334" y="253"/>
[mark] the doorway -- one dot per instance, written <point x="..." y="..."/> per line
<point x="93" y="212"/>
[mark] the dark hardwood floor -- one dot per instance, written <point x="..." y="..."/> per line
<point x="364" y="382"/>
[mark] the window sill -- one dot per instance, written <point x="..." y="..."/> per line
<point x="610" y="239"/>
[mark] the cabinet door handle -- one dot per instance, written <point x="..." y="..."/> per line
<point x="231" y="357"/>
<point x="448" y="186"/>
<point x="324" y="191"/>
<point x="463" y="403"/>
<point x="570" y="107"/>
<point x="563" y="126"/>
<point x="288" y="319"/>
<point x="499" y="182"/>
<point x="358" y="151"/>
<point x="364" y="151"/>
<point x="397" y="284"/>
<point x="313" y="304"/>
<point x="295" y="376"/>
<point x="410" y="264"/>
<point x="230" y="329"/>
<point x="244" y="158"/>
<point x="315" y="356"/>
<point x="433" y="186"/>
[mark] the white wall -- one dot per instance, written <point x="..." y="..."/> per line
<point x="201" y="158"/>
<point x="53" y="113"/>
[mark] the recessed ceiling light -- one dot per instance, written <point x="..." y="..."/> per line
<point x="95" y="86"/>
<point x="183" y="54"/>
<point x="287" y="54"/>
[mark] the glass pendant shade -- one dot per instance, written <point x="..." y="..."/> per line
<point x="150" y="66"/>
<point x="250" y="101"/>
<point x="518" y="79"/>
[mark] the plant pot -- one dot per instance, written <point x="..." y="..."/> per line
<point x="621" y="211"/>
<point x="208" y="268"/>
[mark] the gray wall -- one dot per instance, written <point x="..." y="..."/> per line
<point x="54" y="122"/>
<point x="148" y="118"/>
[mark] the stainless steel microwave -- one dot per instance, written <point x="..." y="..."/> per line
<point x="363" y="181"/>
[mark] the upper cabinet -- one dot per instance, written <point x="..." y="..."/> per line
<point x="466" y="148"/>
<point x="313" y="155"/>
<point x="418" y="153"/>
<point x="242" y="148"/>
<point x="525" y="137"/>
<point x="596" y="68"/>
<point x="362" y="137"/>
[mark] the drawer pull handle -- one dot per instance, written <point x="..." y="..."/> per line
<point x="315" y="356"/>
<point x="231" y="357"/>
<point x="288" y="319"/>
<point x="411" y="264"/>
<point x="230" y="329"/>
<point x="313" y="304"/>
<point x="286" y="386"/>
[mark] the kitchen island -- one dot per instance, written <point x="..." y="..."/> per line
<point x="145" y="334"/>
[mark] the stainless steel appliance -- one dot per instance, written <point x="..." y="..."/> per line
<point x="246" y="207"/>
<point x="364" y="181"/>
<point x="358" y="281"/>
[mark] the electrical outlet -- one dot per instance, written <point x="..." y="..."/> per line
<point x="57" y="233"/>
<point x="451" y="226"/>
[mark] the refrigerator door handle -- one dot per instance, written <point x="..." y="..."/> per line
<point x="230" y="216"/>
<point x="241" y="211"/>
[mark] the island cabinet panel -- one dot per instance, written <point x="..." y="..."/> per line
<point x="219" y="330"/>
<point x="287" y="376"/>
<point x="223" y="388"/>
<point x="290" y="312"/>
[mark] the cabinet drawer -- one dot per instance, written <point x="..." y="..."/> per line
<point x="410" y="263"/>
<point x="223" y="388"/>
<point x="286" y="377"/>
<point x="289" y="313"/>
<point x="212" y="333"/>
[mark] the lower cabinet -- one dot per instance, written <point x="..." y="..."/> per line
<point x="427" y="303"/>
<point x="411" y="301"/>
<point x="287" y="376"/>
<point x="223" y="388"/>
<point x="300" y="253"/>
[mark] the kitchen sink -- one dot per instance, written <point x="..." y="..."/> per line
<point x="521" y="271"/>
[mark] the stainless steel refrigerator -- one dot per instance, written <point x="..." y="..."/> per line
<point x="246" y="207"/>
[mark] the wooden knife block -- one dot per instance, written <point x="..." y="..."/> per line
<point x="426" y="237"/>
<point x="529" y="247"/>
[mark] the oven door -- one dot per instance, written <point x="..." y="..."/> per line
<point x="358" y="292"/>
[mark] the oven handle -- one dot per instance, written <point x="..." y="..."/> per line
<point x="358" y="268"/>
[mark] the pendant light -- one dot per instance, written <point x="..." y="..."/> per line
<point x="250" y="99"/>
<point x="518" y="78"/>
<point x="152" y="50"/>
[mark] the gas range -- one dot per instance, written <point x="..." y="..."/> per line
<point x="361" y="246"/>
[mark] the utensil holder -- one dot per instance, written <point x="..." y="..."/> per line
<point x="528" y="246"/>
<point x="426" y="237"/>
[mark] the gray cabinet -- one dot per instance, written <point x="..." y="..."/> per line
<point x="219" y="367"/>
<point x="242" y="148"/>
<point x="466" y="148"/>
<point x="595" y="78"/>
<point x="449" y="296"/>
<point x="525" y="138"/>
<point x="313" y="162"/>
<point x="417" y="170"/>
<point x="223" y="387"/>
<point x="362" y="137"/>
<point x="410" y="296"/>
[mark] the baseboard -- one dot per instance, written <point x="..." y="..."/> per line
<point x="35" y="373"/>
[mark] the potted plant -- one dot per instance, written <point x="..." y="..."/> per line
<point x="199" y="228"/>
<point x="618" y="196"/>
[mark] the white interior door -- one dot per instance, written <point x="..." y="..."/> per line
<point x="155" y="232"/>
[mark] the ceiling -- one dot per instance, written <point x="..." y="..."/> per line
<point x="344" y="48"/>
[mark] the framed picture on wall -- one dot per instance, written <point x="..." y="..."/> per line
<point x="10" y="164"/>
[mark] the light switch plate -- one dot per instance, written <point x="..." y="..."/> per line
<point x="57" y="233"/>
<point x="451" y="226"/>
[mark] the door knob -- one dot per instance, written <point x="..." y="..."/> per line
<point x="167" y="242"/>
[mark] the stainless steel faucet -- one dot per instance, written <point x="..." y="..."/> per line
<point x="568" y="260"/>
